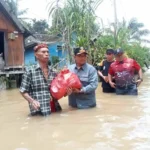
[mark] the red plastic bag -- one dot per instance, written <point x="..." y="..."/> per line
<point x="52" y="106"/>
<point x="64" y="80"/>
<point x="71" y="79"/>
<point x="55" y="106"/>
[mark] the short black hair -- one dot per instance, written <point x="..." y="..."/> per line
<point x="110" y="51"/>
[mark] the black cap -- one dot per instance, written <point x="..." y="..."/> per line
<point x="109" y="51"/>
<point x="80" y="50"/>
<point x="119" y="51"/>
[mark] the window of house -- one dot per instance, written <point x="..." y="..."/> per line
<point x="59" y="47"/>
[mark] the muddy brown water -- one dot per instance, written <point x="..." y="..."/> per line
<point x="117" y="123"/>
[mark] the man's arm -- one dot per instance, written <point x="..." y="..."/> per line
<point x="110" y="78"/>
<point x="140" y="74"/>
<point x="140" y="77"/>
<point x="27" y="97"/>
<point x="100" y="74"/>
<point x="25" y="88"/>
<point x="105" y="78"/>
<point x="93" y="81"/>
<point x="100" y="68"/>
<point x="35" y="104"/>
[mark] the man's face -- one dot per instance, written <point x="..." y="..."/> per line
<point x="80" y="59"/>
<point x="109" y="56"/>
<point x="119" y="57"/>
<point x="42" y="55"/>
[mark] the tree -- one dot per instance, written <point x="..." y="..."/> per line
<point x="13" y="8"/>
<point x="129" y="36"/>
<point x="38" y="26"/>
<point x="75" y="21"/>
<point x="128" y="32"/>
<point x="137" y="31"/>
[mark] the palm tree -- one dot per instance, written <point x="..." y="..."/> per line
<point x="136" y="31"/>
<point x="129" y="36"/>
<point x="128" y="32"/>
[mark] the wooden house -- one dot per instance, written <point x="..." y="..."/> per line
<point x="12" y="34"/>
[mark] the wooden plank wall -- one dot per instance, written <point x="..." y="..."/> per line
<point x="14" y="49"/>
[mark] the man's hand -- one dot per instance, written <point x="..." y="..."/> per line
<point x="35" y="104"/>
<point x="76" y="91"/>
<point x="106" y="79"/>
<point x="138" y="82"/>
<point x="112" y="84"/>
<point x="69" y="91"/>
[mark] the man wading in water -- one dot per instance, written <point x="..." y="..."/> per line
<point x="36" y="81"/>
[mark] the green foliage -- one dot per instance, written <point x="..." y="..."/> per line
<point x="77" y="16"/>
<point x="81" y="41"/>
<point x="4" y="81"/>
<point x="55" y="60"/>
<point x="38" y="26"/>
<point x="139" y="53"/>
<point x="129" y="37"/>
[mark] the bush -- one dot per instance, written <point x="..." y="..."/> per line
<point x="55" y="60"/>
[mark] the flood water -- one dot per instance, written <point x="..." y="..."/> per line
<point x="117" y="123"/>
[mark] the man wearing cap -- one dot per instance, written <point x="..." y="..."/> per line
<point x="123" y="69"/>
<point x="103" y="71"/>
<point x="84" y="97"/>
<point x="36" y="81"/>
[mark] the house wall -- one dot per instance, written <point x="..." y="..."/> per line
<point x="29" y="56"/>
<point x="53" y="50"/>
<point x="14" y="49"/>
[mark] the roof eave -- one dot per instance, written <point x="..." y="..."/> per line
<point x="11" y="17"/>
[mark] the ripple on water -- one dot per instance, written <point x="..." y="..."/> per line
<point x="141" y="130"/>
<point x="101" y="146"/>
<point x="64" y="115"/>
<point x="22" y="149"/>
<point x="141" y="146"/>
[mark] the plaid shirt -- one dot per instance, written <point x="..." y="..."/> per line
<point x="35" y="84"/>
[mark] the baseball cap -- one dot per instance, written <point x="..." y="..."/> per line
<point x="80" y="50"/>
<point x="118" y="51"/>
